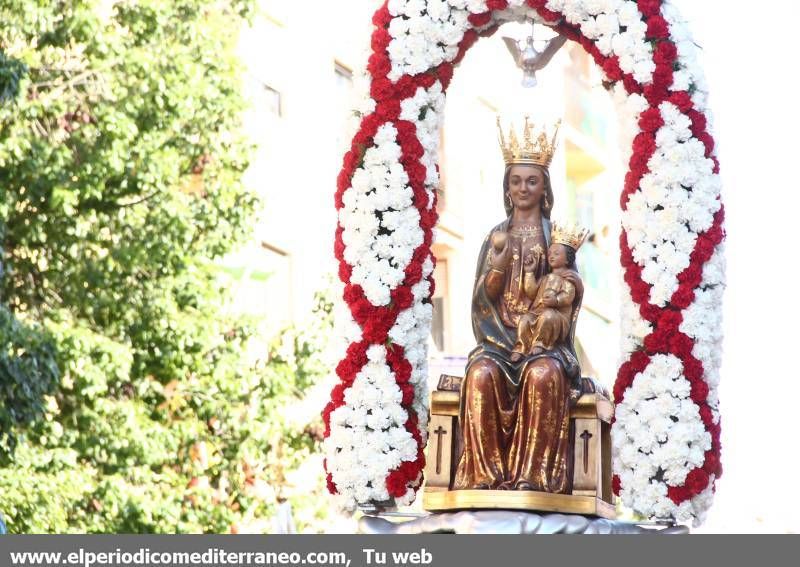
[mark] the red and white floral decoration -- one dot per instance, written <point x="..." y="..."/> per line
<point x="667" y="432"/>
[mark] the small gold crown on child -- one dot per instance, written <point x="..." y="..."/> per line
<point x="570" y="234"/>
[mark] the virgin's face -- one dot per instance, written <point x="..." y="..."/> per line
<point x="526" y="186"/>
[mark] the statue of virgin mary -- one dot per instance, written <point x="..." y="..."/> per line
<point x="514" y="414"/>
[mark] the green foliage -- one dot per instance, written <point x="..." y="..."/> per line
<point x="28" y="371"/>
<point x="135" y="402"/>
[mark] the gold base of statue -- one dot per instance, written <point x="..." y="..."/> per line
<point x="435" y="500"/>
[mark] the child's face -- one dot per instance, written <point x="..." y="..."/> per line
<point x="557" y="256"/>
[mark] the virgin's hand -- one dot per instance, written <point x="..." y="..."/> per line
<point x="499" y="259"/>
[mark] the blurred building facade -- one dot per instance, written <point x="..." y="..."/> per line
<point x="300" y="82"/>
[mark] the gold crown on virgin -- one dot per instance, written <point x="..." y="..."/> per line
<point x="569" y="234"/>
<point x="536" y="148"/>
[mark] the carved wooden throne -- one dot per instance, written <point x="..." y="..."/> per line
<point x="590" y="463"/>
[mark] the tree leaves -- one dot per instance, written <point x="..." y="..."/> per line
<point x="120" y="184"/>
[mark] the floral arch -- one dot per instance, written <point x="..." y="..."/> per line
<point x="667" y="430"/>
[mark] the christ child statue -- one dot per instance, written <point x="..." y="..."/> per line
<point x="549" y="321"/>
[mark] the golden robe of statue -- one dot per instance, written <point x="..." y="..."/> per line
<point x="514" y="413"/>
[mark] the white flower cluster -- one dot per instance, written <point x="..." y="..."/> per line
<point x="689" y="72"/>
<point x="676" y="201"/>
<point x="617" y="28"/>
<point x="425" y="33"/>
<point x="658" y="438"/>
<point x="380" y="222"/>
<point x="368" y="437"/>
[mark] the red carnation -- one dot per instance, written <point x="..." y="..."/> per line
<point x="331" y="485"/>
<point x="370" y="124"/>
<point x="696" y="481"/>
<point x="376" y="329"/>
<point x="699" y="391"/>
<point x="406" y="87"/>
<point x="655" y="92"/>
<point x="691" y="275"/>
<point x="382" y="17"/>
<point x="708" y="142"/>
<point x="470" y="37"/>
<point x="326" y="417"/>
<point x="381" y="89"/>
<point x="678" y="494"/>
<point x="644" y="144"/>
<point x="651" y="120"/>
<point x="649" y="312"/>
<point x="425" y="80"/>
<point x="337" y="394"/>
<point x="656" y="342"/>
<point x="480" y="20"/>
<point x="649" y="7"/>
<point x="706" y="415"/>
<point x="412" y="148"/>
<point x="662" y="78"/>
<point x="699" y="122"/>
<point x="640" y="291"/>
<point x="612" y="69"/>
<point x="549" y="15"/>
<point x="345" y="272"/>
<point x="403" y="372"/>
<point x="693" y="369"/>
<point x="380" y="40"/>
<point x="388" y="110"/>
<point x="338" y="245"/>
<point x="396" y="484"/>
<point x="496" y="4"/>
<point x="680" y="345"/>
<point x="640" y="360"/>
<point x="616" y="484"/>
<point x="402" y="297"/>
<point x="445" y="73"/>
<point x="657" y="28"/>
<point x="413" y="272"/>
<point x="670" y="321"/>
<point x="379" y="65"/>
<point x="682" y="100"/>
<point x="665" y="53"/>
<point x="683" y="297"/>
<point x="631" y="85"/>
<point x="416" y="174"/>
<point x="704" y="248"/>
<point x="712" y="464"/>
